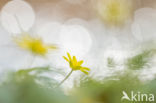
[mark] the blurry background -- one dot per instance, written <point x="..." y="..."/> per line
<point x="71" y="8"/>
<point x="103" y="43"/>
<point x="117" y="42"/>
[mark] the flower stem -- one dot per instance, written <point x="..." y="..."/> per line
<point x="65" y="78"/>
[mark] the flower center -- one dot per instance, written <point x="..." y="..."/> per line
<point x="34" y="45"/>
<point x="115" y="11"/>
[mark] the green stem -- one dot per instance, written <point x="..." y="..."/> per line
<point x="65" y="78"/>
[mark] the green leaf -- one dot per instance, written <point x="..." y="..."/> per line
<point x="139" y="61"/>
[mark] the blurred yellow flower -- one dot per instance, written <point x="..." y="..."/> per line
<point x="114" y="11"/>
<point x="32" y="44"/>
<point x="76" y="65"/>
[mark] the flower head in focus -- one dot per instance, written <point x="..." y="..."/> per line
<point x="114" y="11"/>
<point x="76" y="65"/>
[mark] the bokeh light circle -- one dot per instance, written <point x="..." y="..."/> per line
<point x="75" y="39"/>
<point x="17" y="15"/>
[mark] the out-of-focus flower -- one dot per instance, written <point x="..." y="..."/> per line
<point x="32" y="44"/>
<point x="114" y="11"/>
<point x="15" y="18"/>
<point x="76" y="65"/>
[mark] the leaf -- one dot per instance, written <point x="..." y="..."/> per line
<point x="139" y="61"/>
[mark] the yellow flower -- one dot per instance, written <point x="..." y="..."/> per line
<point x="76" y="65"/>
<point x="114" y="11"/>
<point x="32" y="44"/>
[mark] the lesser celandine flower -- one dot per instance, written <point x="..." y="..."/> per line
<point x="74" y="65"/>
<point x="114" y="11"/>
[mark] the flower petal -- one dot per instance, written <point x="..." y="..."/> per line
<point x="69" y="56"/>
<point x="49" y="32"/>
<point x="54" y="47"/>
<point x="80" y="63"/>
<point x="85" y="72"/>
<point x="74" y="61"/>
<point x="66" y="58"/>
<point x="85" y="68"/>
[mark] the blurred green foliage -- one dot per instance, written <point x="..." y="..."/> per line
<point x="31" y="86"/>
<point x="111" y="62"/>
<point x="23" y="87"/>
<point x="141" y="60"/>
<point x="110" y="91"/>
